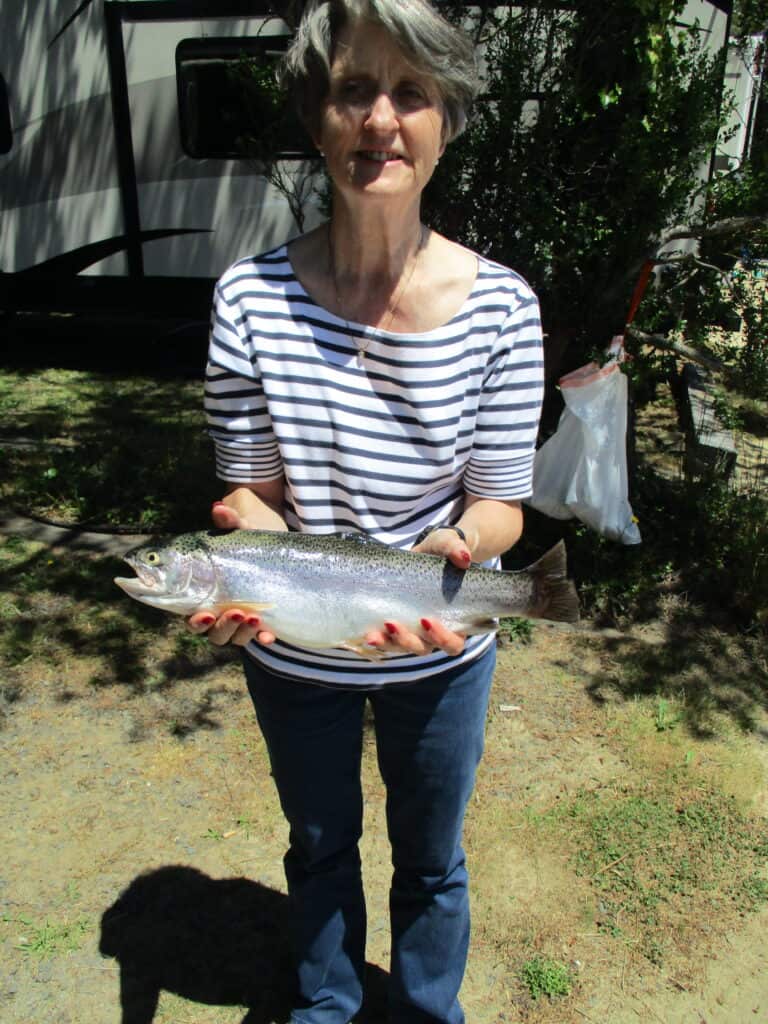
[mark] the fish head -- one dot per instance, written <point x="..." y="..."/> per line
<point x="176" y="576"/>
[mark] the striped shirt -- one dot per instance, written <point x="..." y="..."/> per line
<point x="385" y="448"/>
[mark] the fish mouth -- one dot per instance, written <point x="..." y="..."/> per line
<point x="143" y="583"/>
<point x="137" y="587"/>
<point x="146" y="582"/>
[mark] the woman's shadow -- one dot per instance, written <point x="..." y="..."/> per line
<point x="219" y="942"/>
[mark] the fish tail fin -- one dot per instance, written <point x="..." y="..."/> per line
<point x="555" y="594"/>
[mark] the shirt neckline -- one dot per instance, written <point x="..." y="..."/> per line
<point x="374" y="332"/>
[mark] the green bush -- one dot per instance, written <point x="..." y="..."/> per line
<point x="586" y="144"/>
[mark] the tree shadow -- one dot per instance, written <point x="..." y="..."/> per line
<point x="220" y="942"/>
<point x="60" y="604"/>
<point x="708" y="671"/>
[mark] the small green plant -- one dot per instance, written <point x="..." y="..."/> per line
<point x="50" y="938"/>
<point x="246" y="824"/>
<point x="213" y="833"/>
<point x="665" y="719"/>
<point x="545" y="977"/>
<point x="517" y="630"/>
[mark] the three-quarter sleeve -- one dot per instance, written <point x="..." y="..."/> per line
<point x="235" y="405"/>
<point x="500" y="463"/>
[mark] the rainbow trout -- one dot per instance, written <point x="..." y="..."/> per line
<point x="330" y="590"/>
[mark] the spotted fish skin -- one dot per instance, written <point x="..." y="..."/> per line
<point x="330" y="590"/>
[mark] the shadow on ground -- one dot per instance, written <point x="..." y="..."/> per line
<point x="59" y="606"/>
<point x="708" y="671"/>
<point x="218" y="942"/>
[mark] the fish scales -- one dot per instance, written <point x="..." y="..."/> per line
<point x="330" y="590"/>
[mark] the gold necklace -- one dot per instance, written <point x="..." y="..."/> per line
<point x="363" y="343"/>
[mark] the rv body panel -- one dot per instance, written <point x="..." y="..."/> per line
<point x="58" y="181"/>
<point x="233" y="207"/>
<point x="96" y="170"/>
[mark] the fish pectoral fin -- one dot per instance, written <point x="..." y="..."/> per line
<point x="362" y="650"/>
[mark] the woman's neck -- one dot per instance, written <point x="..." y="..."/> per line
<point x="374" y="246"/>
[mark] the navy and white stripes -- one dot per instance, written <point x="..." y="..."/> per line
<point x="386" y="448"/>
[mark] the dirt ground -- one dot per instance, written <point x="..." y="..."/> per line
<point x="141" y="846"/>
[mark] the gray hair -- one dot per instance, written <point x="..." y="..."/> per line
<point x="433" y="45"/>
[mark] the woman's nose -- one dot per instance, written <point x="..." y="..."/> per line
<point x="382" y="116"/>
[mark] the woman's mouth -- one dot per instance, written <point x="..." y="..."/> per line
<point x="379" y="156"/>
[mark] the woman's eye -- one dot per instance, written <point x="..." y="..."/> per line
<point x="410" y="95"/>
<point x="353" y="89"/>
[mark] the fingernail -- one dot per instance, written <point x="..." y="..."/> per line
<point x="218" y="504"/>
<point x="391" y="628"/>
<point x="465" y="557"/>
<point x="236" y="617"/>
<point x="426" y="625"/>
<point x="253" y="620"/>
<point x="206" y="620"/>
<point x="372" y="643"/>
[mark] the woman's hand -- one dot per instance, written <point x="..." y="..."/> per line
<point x="395" y="638"/>
<point x="234" y="626"/>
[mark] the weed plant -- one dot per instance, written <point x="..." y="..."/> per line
<point x="543" y="976"/>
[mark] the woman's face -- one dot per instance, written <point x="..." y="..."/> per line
<point x="381" y="125"/>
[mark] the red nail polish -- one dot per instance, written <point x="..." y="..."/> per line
<point x="253" y="620"/>
<point x="426" y="625"/>
<point x="236" y="617"/>
<point x="207" y="620"/>
<point x="391" y="628"/>
<point x="465" y="557"/>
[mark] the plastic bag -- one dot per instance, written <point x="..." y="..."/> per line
<point x="581" y="471"/>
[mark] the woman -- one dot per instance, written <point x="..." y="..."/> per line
<point x="372" y="375"/>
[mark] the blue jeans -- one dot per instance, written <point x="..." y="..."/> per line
<point x="429" y="738"/>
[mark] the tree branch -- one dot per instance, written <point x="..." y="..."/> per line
<point x="678" y="347"/>
<point x="720" y="227"/>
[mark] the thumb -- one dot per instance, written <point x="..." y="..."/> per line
<point x="224" y="517"/>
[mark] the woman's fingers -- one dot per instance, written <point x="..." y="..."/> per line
<point x="436" y="633"/>
<point x="396" y="639"/>
<point x="232" y="627"/>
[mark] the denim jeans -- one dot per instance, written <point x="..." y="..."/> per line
<point x="429" y="738"/>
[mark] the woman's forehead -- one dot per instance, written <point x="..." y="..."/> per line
<point x="364" y="45"/>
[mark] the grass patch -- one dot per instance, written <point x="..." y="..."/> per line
<point x="103" y="450"/>
<point x="49" y="938"/>
<point x="662" y="863"/>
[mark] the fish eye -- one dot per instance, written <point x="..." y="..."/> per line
<point x="152" y="557"/>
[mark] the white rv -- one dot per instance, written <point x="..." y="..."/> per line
<point x="119" y="134"/>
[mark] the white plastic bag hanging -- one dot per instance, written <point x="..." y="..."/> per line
<point x="581" y="471"/>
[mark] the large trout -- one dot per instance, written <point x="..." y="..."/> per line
<point x="330" y="590"/>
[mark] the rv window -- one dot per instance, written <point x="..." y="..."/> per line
<point x="229" y="104"/>
<point x="6" y="135"/>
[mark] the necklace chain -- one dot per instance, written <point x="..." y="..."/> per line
<point x="363" y="343"/>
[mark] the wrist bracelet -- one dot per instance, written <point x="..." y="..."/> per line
<point x="440" y="526"/>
